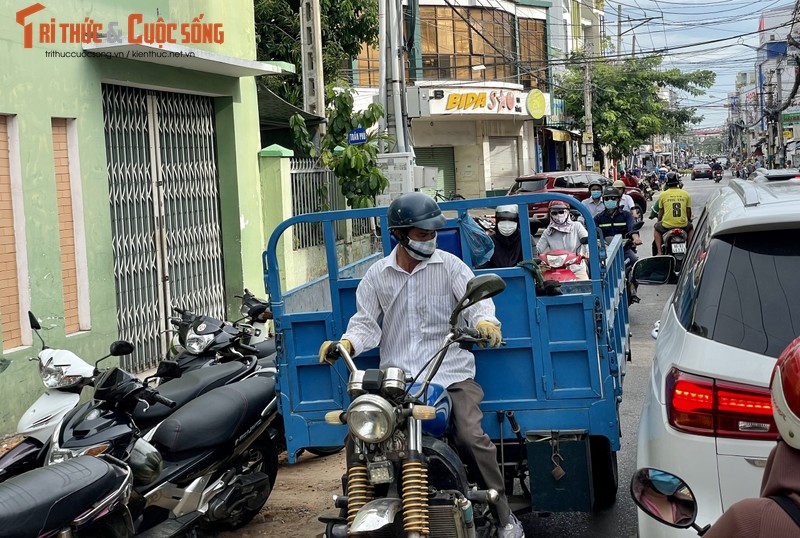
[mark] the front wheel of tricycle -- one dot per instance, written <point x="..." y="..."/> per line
<point x="604" y="472"/>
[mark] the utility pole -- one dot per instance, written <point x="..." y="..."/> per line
<point x="588" y="137"/>
<point x="779" y="119"/>
<point x="770" y="120"/>
<point x="311" y="50"/>
<point x="619" y="32"/>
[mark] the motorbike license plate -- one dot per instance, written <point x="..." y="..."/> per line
<point x="679" y="248"/>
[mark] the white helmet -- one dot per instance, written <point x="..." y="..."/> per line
<point x="785" y="388"/>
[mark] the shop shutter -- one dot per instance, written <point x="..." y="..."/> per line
<point x="443" y="159"/>
<point x="504" y="162"/>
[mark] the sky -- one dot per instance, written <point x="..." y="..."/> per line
<point x="692" y="25"/>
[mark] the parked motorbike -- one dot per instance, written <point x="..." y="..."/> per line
<point x="64" y="376"/>
<point x="212" y="459"/>
<point x="666" y="498"/>
<point x="202" y="340"/>
<point x="404" y="478"/>
<point x="84" y="497"/>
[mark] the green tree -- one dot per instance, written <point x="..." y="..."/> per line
<point x="355" y="166"/>
<point x="626" y="109"/>
<point x="346" y="25"/>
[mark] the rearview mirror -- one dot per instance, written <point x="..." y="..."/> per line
<point x="168" y="370"/>
<point x="120" y="348"/>
<point x="33" y="321"/>
<point x="664" y="497"/>
<point x="653" y="270"/>
<point x="478" y="288"/>
<point x="256" y="311"/>
<point x="638" y="225"/>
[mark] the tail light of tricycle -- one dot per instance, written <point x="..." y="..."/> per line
<point x="711" y="407"/>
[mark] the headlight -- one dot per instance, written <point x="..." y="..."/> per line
<point x="371" y="418"/>
<point x="197" y="343"/>
<point x="53" y="376"/>
<point x="556" y="261"/>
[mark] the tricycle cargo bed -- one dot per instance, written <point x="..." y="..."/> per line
<point x="561" y="367"/>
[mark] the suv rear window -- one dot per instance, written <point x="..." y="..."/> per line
<point x="528" y="185"/>
<point x="748" y="294"/>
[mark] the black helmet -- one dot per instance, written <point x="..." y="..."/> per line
<point x="672" y="178"/>
<point x="415" y="210"/>
<point x="610" y="192"/>
<point x="145" y="462"/>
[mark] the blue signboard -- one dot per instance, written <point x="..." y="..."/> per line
<point x="357" y="136"/>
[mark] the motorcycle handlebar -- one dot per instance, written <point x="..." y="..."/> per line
<point x="164" y="400"/>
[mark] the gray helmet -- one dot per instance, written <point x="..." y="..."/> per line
<point x="610" y="192"/>
<point x="415" y="210"/>
<point x="506" y="212"/>
<point x="595" y="183"/>
<point x="672" y="178"/>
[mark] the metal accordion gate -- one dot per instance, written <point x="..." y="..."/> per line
<point x="165" y="217"/>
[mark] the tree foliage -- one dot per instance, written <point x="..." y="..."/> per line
<point x="346" y="25"/>
<point x="355" y="166"/>
<point x="626" y="109"/>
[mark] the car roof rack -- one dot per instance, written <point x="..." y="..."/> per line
<point x="747" y="192"/>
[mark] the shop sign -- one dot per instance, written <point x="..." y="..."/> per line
<point x="487" y="102"/>
<point x="791" y="115"/>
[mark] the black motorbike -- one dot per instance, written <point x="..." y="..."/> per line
<point x="646" y="188"/>
<point x="211" y="460"/>
<point x="85" y="497"/>
<point x="202" y="340"/>
<point x="404" y="478"/>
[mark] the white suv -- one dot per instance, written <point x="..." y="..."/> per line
<point x="706" y="416"/>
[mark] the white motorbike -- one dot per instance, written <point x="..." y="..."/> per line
<point x="64" y="376"/>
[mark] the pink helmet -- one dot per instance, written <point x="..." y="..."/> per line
<point x="785" y="387"/>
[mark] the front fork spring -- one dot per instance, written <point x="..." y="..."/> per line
<point x="359" y="490"/>
<point x="415" y="497"/>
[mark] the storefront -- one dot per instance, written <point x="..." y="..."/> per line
<point x="484" y="132"/>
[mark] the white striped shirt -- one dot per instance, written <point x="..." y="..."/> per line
<point x="407" y="315"/>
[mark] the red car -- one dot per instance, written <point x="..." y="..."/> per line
<point x="574" y="183"/>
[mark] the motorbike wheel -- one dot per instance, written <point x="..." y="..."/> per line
<point x="262" y="457"/>
<point x="605" y="478"/>
<point x="325" y="450"/>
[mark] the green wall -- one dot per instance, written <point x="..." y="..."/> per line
<point x="35" y="89"/>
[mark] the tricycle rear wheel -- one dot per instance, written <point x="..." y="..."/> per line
<point x="605" y="479"/>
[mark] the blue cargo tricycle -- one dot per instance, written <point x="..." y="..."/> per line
<point x="552" y="392"/>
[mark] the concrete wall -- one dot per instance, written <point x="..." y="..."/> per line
<point x="36" y="89"/>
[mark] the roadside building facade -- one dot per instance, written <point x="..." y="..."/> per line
<point x="129" y="180"/>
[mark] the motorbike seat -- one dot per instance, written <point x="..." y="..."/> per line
<point x="265" y="348"/>
<point x="215" y="417"/>
<point x="50" y="498"/>
<point x="185" y="389"/>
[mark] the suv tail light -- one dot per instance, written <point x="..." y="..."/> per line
<point x="706" y="406"/>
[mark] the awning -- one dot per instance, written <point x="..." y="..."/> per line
<point x="195" y="59"/>
<point x="274" y="112"/>
<point x="559" y="135"/>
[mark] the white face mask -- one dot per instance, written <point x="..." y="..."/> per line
<point x="560" y="219"/>
<point x="421" y="250"/>
<point x="506" y="227"/>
